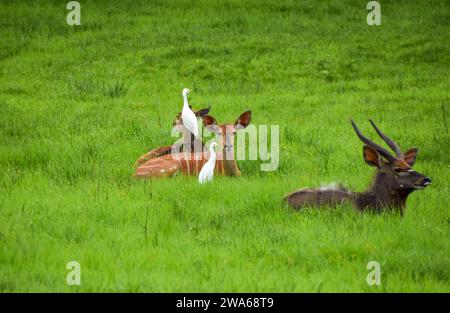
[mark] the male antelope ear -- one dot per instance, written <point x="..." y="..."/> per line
<point x="210" y="123"/>
<point x="243" y="120"/>
<point x="202" y="112"/>
<point x="371" y="156"/>
<point x="410" y="156"/>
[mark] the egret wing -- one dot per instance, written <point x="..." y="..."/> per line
<point x="190" y="122"/>
<point x="206" y="173"/>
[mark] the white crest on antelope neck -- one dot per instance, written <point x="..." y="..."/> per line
<point x="329" y="187"/>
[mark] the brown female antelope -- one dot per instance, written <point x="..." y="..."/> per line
<point x="189" y="142"/>
<point x="191" y="163"/>
<point x="394" y="180"/>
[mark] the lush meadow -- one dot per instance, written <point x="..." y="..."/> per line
<point x="79" y="104"/>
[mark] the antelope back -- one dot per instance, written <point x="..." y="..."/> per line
<point x="173" y="164"/>
<point x="325" y="196"/>
<point x="152" y="154"/>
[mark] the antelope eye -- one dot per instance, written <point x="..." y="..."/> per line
<point x="398" y="170"/>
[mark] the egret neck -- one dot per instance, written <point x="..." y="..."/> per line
<point x="185" y="100"/>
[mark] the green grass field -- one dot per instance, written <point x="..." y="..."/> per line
<point x="79" y="104"/>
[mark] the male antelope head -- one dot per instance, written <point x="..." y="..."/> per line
<point x="394" y="180"/>
<point x="192" y="163"/>
<point x="394" y="172"/>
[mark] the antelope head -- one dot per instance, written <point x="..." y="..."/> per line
<point x="225" y="134"/>
<point x="394" y="174"/>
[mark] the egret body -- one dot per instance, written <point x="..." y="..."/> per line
<point x="207" y="172"/>
<point x="189" y="119"/>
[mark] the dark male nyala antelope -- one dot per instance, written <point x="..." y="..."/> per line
<point x="394" y="180"/>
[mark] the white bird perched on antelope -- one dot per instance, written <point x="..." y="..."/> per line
<point x="207" y="172"/>
<point x="188" y="117"/>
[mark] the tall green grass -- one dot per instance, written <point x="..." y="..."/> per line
<point x="78" y="105"/>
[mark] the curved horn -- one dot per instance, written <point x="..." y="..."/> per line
<point x="369" y="142"/>
<point x="389" y="141"/>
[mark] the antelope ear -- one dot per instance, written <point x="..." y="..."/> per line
<point x="371" y="156"/>
<point x="243" y="120"/>
<point x="202" y="112"/>
<point x="210" y="123"/>
<point x="410" y="156"/>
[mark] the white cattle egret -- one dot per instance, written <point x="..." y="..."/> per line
<point x="188" y="117"/>
<point x="207" y="172"/>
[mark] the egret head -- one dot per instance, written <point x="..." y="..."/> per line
<point x="185" y="91"/>
<point x="212" y="146"/>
